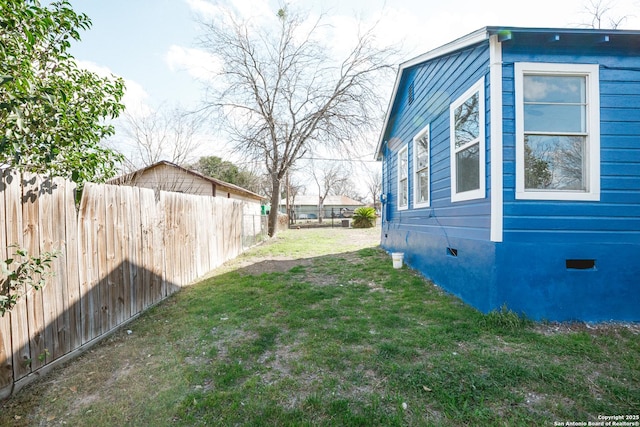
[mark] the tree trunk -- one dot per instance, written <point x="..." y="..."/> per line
<point x="275" y="202"/>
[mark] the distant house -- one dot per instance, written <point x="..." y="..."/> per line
<point x="511" y="171"/>
<point x="167" y="176"/>
<point x="306" y="207"/>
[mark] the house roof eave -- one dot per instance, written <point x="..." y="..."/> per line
<point x="504" y="33"/>
<point x="467" y="40"/>
<point x="123" y="178"/>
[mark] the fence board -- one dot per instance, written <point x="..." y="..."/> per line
<point x="228" y="232"/>
<point x="202" y="236"/>
<point x="71" y="248"/>
<point x="103" y="271"/>
<point x="212" y="236"/>
<point x="59" y="265"/>
<point x="182" y="237"/>
<point x="170" y="250"/>
<point x="122" y="250"/>
<point x="31" y="241"/>
<point x="221" y="217"/>
<point x="84" y="265"/>
<point x="124" y="199"/>
<point x="174" y="237"/>
<point x="112" y="255"/>
<point x="135" y="252"/>
<point x="236" y="226"/>
<point x="189" y="230"/>
<point x="20" y="342"/>
<point x="146" y="220"/>
<point x="6" y="356"/>
<point x="157" y="242"/>
<point x="120" y="295"/>
<point x="50" y="291"/>
<point x="88" y="264"/>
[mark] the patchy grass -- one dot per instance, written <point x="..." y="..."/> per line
<point x="337" y="337"/>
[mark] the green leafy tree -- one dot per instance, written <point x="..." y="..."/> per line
<point x="52" y="112"/>
<point x="226" y="171"/>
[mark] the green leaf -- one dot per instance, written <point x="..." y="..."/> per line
<point x="39" y="101"/>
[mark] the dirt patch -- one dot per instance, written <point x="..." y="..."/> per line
<point x="256" y="266"/>
<point x="604" y="328"/>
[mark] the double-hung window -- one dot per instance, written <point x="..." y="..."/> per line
<point x="557" y="131"/>
<point x="403" y="178"/>
<point x="468" y="145"/>
<point x="421" y="162"/>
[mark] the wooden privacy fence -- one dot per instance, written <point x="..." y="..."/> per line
<point x="123" y="250"/>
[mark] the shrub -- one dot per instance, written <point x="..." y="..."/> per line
<point x="364" y="217"/>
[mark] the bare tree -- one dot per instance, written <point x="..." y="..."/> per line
<point x="162" y="134"/>
<point x="599" y="12"/>
<point x="293" y="188"/>
<point x="348" y="188"/>
<point x="280" y="95"/>
<point x="373" y="182"/>
<point x="329" y="177"/>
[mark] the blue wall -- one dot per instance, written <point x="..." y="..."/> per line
<point x="540" y="236"/>
<point x="435" y="88"/>
<point x="528" y="270"/>
<point x="616" y="217"/>
<point x="424" y="234"/>
<point x="534" y="279"/>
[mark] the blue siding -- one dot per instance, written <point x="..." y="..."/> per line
<point x="436" y="85"/>
<point x="528" y="270"/>
<point x="466" y="275"/>
<point x="425" y="234"/>
<point x="539" y="236"/>
<point x="619" y="205"/>
<point x="538" y="283"/>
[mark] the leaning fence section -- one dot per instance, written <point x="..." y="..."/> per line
<point x="118" y="251"/>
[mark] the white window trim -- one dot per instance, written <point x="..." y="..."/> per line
<point x="404" y="149"/>
<point x="592" y="178"/>
<point x="480" y="192"/>
<point x="426" y="131"/>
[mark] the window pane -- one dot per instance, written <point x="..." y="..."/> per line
<point x="422" y="153"/>
<point x="423" y="186"/>
<point x="555" y="89"/>
<point x="468" y="169"/>
<point x="467" y="121"/>
<point x="554" y="162"/>
<point x="403" y="166"/>
<point x="403" y="197"/>
<point x="554" y="118"/>
<point x="403" y="181"/>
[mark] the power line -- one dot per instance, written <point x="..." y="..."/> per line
<point x="356" y="159"/>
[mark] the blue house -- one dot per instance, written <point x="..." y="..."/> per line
<point x="511" y="171"/>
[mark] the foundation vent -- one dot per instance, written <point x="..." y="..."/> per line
<point x="581" y="264"/>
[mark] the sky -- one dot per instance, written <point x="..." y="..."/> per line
<point x="153" y="44"/>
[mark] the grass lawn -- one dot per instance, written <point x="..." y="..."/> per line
<point x="316" y="328"/>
